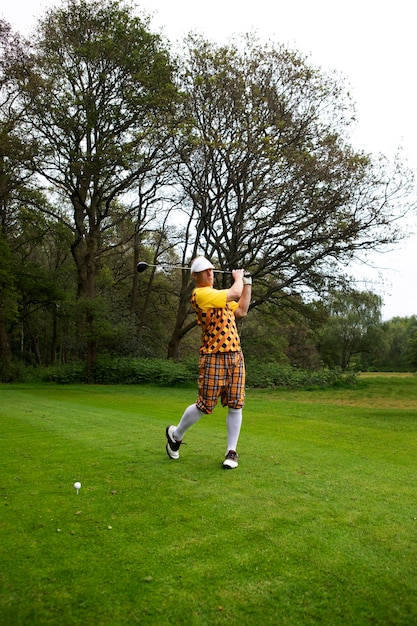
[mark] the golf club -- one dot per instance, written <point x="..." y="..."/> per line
<point x="142" y="266"/>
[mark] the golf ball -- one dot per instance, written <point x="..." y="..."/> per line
<point x="77" y="485"/>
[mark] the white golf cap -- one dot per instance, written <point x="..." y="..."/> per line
<point x="200" y="264"/>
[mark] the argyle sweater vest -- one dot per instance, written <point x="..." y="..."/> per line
<point x="219" y="331"/>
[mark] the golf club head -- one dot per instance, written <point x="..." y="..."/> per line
<point x="142" y="266"/>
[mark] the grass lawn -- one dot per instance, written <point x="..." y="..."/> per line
<point x="318" y="525"/>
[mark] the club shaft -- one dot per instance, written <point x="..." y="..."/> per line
<point x="182" y="267"/>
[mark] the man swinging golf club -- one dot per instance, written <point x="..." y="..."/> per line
<point x="221" y="371"/>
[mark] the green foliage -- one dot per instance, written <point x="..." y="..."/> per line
<point x="140" y="371"/>
<point x="8" y="293"/>
<point x="270" y="181"/>
<point x="99" y="170"/>
<point x="412" y="350"/>
<point x="165" y="373"/>
<point x="126" y="371"/>
<point x="353" y="326"/>
<point x="394" y="351"/>
<point x="273" y="375"/>
<point x="67" y="374"/>
<point x="100" y="94"/>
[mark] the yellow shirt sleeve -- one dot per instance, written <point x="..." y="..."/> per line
<point x="209" y="298"/>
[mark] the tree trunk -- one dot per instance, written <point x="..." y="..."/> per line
<point x="5" y="352"/>
<point x="90" y="313"/>
<point x="85" y="251"/>
<point x="179" y="329"/>
<point x="174" y="343"/>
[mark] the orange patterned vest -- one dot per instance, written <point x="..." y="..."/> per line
<point x="219" y="331"/>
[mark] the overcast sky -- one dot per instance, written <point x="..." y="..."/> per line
<point x="372" y="44"/>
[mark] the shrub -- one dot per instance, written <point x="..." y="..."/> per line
<point x="167" y="373"/>
<point x="125" y="371"/>
<point x="273" y="375"/>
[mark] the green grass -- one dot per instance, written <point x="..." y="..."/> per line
<point x="318" y="525"/>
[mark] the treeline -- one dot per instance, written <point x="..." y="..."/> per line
<point x="115" y="150"/>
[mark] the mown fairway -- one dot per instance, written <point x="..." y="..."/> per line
<point x="318" y="525"/>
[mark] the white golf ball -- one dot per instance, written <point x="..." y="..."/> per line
<point x="77" y="485"/>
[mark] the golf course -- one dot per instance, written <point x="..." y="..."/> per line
<point x="317" y="525"/>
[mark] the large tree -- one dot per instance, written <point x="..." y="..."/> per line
<point x="99" y="96"/>
<point x="16" y="154"/>
<point x="268" y="177"/>
<point x="353" y="327"/>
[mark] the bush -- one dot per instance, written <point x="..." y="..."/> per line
<point x="17" y="371"/>
<point x="68" y="374"/>
<point x="273" y="375"/>
<point x="125" y="371"/>
<point x="134" y="371"/>
<point x="167" y="373"/>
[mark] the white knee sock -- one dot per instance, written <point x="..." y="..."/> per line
<point x="233" y="424"/>
<point x="191" y="416"/>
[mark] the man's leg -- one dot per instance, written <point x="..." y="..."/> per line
<point x="175" y="434"/>
<point x="234" y="398"/>
<point x="191" y="415"/>
<point x="233" y="425"/>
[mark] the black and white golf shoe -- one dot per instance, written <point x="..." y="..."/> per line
<point x="173" y="445"/>
<point x="230" y="461"/>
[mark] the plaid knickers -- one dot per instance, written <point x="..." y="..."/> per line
<point x="221" y="374"/>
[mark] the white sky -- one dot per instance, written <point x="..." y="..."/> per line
<point x="372" y="44"/>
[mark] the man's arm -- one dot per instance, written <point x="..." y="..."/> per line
<point x="244" y="300"/>
<point x="235" y="291"/>
<point x="240" y="292"/>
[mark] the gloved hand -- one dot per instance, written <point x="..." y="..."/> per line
<point x="247" y="279"/>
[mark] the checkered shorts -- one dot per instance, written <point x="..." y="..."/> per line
<point x="221" y="374"/>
